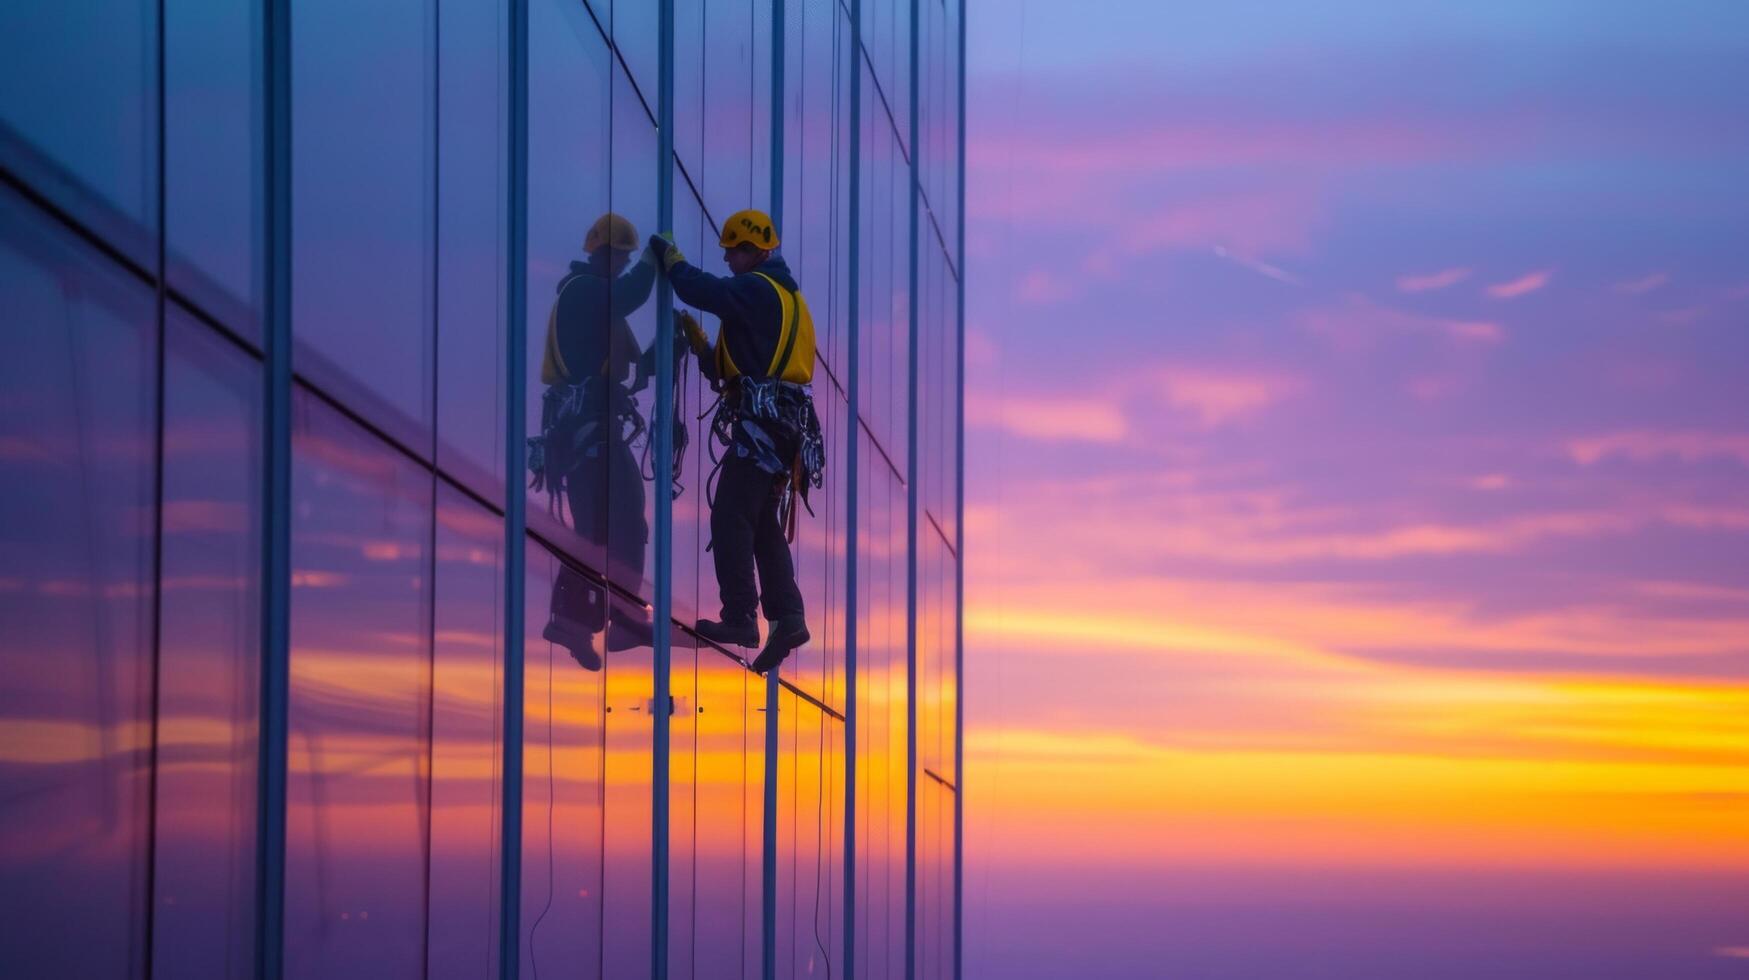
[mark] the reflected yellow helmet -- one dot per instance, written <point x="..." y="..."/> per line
<point x="611" y="231"/>
<point x="749" y="227"/>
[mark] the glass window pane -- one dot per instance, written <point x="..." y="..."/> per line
<point x="636" y="34"/>
<point x="78" y="111"/>
<point x="213" y="156"/>
<point x="682" y="810"/>
<point x="577" y="281"/>
<point x="626" y="838"/>
<point x="727" y="182"/>
<point x="360" y="664"/>
<point x="76" y="481"/>
<point x="466" y="743"/>
<point x="562" y="895"/>
<point x="630" y="352"/>
<point x="725" y="773"/>
<point x="362" y="178"/>
<point x="691" y="516"/>
<point x="471" y="245"/>
<point x="209" y="650"/>
<point x="691" y="82"/>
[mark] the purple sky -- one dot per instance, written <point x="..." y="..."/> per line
<point x="1358" y="480"/>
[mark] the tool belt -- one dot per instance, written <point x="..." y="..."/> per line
<point x="577" y="420"/>
<point x="757" y="419"/>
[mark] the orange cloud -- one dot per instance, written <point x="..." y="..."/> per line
<point x="1435" y="280"/>
<point x="1528" y="283"/>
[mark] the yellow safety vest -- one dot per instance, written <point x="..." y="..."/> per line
<point x="793" y="360"/>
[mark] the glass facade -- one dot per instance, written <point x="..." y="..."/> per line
<point x="493" y="759"/>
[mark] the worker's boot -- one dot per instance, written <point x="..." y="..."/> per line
<point x="787" y="633"/>
<point x="625" y="633"/>
<point x="570" y="634"/>
<point x="738" y="633"/>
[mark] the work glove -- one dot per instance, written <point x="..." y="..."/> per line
<point x="665" y="250"/>
<point x="694" y="334"/>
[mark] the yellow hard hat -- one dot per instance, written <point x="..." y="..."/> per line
<point x="611" y="231"/>
<point x="749" y="226"/>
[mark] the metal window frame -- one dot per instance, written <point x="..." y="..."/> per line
<point x="271" y="799"/>
<point x="959" y="525"/>
<point x="912" y="504"/>
<point x="515" y="501"/>
<point x="853" y="476"/>
<point x="663" y="441"/>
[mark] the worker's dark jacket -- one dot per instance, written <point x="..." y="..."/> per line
<point x="765" y="350"/>
<point x="587" y="334"/>
<point x="750" y="310"/>
<point x="592" y="365"/>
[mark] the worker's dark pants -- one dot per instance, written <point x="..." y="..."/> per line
<point x="606" y="495"/>
<point x="744" y="532"/>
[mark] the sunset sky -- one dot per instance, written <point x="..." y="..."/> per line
<point x="1358" y="489"/>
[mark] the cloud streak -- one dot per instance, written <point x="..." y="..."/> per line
<point x="1524" y="285"/>
<point x="1045" y="418"/>
<point x="1651" y="445"/>
<point x="1436" y="280"/>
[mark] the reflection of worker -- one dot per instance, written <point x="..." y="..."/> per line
<point x="764" y="360"/>
<point x="588" y="422"/>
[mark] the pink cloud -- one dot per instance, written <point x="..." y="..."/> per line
<point x="1360" y="322"/>
<point x="1249" y="224"/>
<point x="980" y="349"/>
<point x="1474" y="330"/>
<point x="1049" y="419"/>
<point x="1258" y="266"/>
<point x="1644" y="284"/>
<point x="1040" y="287"/>
<point x="1100" y="265"/>
<point x="1528" y="283"/>
<point x="1118" y="149"/>
<point x="1647" y="445"/>
<point x="1434" y="280"/>
<point x="1216" y="397"/>
<point x="184" y="516"/>
<point x="14" y="449"/>
<point x="1431" y="387"/>
<point x="1682" y="317"/>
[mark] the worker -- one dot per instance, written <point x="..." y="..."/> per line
<point x="762" y="364"/>
<point x="593" y="367"/>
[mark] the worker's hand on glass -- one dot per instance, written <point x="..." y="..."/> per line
<point x="664" y="249"/>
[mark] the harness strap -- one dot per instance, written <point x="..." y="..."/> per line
<point x="787" y="338"/>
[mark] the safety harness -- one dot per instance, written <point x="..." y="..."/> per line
<point x="579" y="420"/>
<point x="753" y="416"/>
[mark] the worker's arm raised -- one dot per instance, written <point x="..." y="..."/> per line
<point x="724" y="296"/>
<point x="629" y="291"/>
